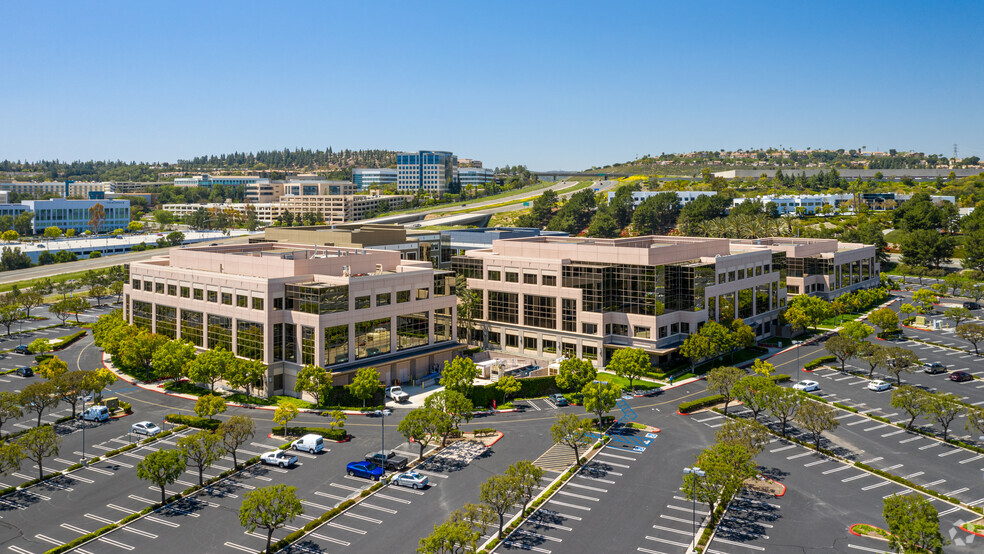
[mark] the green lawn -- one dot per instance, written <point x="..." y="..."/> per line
<point x="185" y="387"/>
<point x="624" y="383"/>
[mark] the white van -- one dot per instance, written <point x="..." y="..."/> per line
<point x="309" y="443"/>
<point x="96" y="413"/>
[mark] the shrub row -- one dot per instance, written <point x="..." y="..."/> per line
<point x="711" y="526"/>
<point x="322" y="519"/>
<point x="703" y="402"/>
<point x="813" y="364"/>
<point x="326" y="432"/>
<point x="69" y="340"/>
<point x="531" y="387"/>
<point x="194" y="421"/>
<point x="483" y="432"/>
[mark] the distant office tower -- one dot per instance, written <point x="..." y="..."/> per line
<point x="366" y="178"/>
<point x="430" y="171"/>
<point x="475" y="176"/>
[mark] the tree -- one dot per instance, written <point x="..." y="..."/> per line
<point x="814" y="310"/>
<point x="270" y="508"/>
<point x="574" y="373"/>
<point x="603" y="225"/>
<point x="572" y="432"/>
<point x="420" y="425"/>
<point x="973" y="250"/>
<point x="52" y="367"/>
<point x="696" y="347"/>
<point x="914" y="524"/>
<point x="900" y="361"/>
<point x="750" y="434"/>
<point x="762" y="367"/>
<point x="925" y="298"/>
<point x="926" y="247"/>
<point x="52" y="232"/>
<point x="38" y="444"/>
<point x="943" y="408"/>
<point x="365" y="384"/>
<point x="815" y="418"/>
<point x="97" y="214"/>
<point x="98" y="292"/>
<point x="209" y="366"/>
<point x="162" y="468"/>
<point x="11" y="456"/>
<point x="975" y="420"/>
<point x="972" y="333"/>
<point x="22" y="224"/>
<point x="208" y="405"/>
<point x="137" y="352"/>
<point x="499" y="494"/>
<point x="99" y="379"/>
<point x="245" y="374"/>
<point x="39" y="346"/>
<point x="911" y="400"/>
<point x="843" y="348"/>
<point x="10" y="236"/>
<point x="171" y="358"/>
<point x="726" y="465"/>
<point x="630" y="363"/>
<point x="453" y="407"/>
<point x="526" y="477"/>
<point x="202" y="449"/>
<point x="459" y="375"/>
<point x="600" y="397"/>
<point x="753" y="392"/>
<point x="856" y="330"/>
<point x="39" y="397"/>
<point x="783" y="404"/>
<point x="234" y="433"/>
<point x="722" y="380"/>
<point x="10" y="314"/>
<point x="10" y="407"/>
<point x="508" y="386"/>
<point x="284" y="414"/>
<point x="29" y="300"/>
<point x="460" y="533"/>
<point x="907" y="310"/>
<point x="314" y="380"/>
<point x="135" y="226"/>
<point x="13" y="258"/>
<point x="796" y="318"/>
<point x="742" y="336"/>
<point x="958" y="315"/>
<point x="72" y="387"/>
<point x="657" y="214"/>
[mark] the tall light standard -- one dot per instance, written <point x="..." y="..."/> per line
<point x="798" y="343"/>
<point x="694" y="472"/>
<point x="382" y="433"/>
<point x="82" y="417"/>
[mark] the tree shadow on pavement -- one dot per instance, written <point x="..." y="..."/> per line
<point x="748" y="518"/>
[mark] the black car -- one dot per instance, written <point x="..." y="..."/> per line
<point x="22" y="349"/>
<point x="387" y="459"/>
<point x="25" y="372"/>
<point x="971" y="305"/>
<point x="961" y="376"/>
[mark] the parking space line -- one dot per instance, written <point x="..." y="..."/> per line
<point x="854" y="478"/>
<point x="672" y="530"/>
<point x="968" y="460"/>
<point x="115" y="543"/>
<point x="930" y="445"/>
<point x="19" y="550"/>
<point x="647" y="551"/>
<point x="811" y="464"/>
<point x="378" y="508"/>
<point x="836" y="469"/>
<point x="100" y="470"/>
<point x="950" y="511"/>
<point x="345" y="528"/>
<point x="617" y="456"/>
<point x="956" y="492"/>
<point x="331" y="496"/>
<point x="136" y="531"/>
<point x="74" y="528"/>
<point x="896" y="466"/>
<point x="238" y="547"/>
<point x="916" y="474"/>
<point x="330" y="539"/>
<point x="99" y="519"/>
<point x="891" y="433"/>
<point x="559" y="503"/>
<point x="581" y="496"/>
<point x="934" y="483"/>
<point x="781" y="448"/>
<point x="596" y="489"/>
<point x="538" y="535"/>
<point x="145" y="500"/>
<point x="431" y="474"/>
<point x="800" y="455"/>
<point x="909" y="440"/>
<point x="313" y="505"/>
<point x="733" y="543"/>
<point x="866" y="549"/>
<point x="689" y="510"/>
<point x="346" y="487"/>
<point x="558" y="514"/>
<point x="876" y="485"/>
<point x="527" y="547"/>
<point x="610" y="464"/>
<point x="392" y="498"/>
<point x="363" y="518"/>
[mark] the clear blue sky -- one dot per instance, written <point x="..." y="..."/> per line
<point x="547" y="84"/>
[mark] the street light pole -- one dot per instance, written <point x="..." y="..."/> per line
<point x="695" y="472"/>
<point x="83" y="429"/>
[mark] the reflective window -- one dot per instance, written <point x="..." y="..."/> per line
<point x="199" y="294"/>
<point x="242" y="301"/>
<point x="191" y="327"/>
<point x="550" y="280"/>
<point x="383" y="299"/>
<point x="589" y="328"/>
<point x="307" y="345"/>
<point x="529" y="278"/>
<point x="227" y="298"/>
<point x="336" y="344"/>
<point x="443" y="328"/>
<point x="372" y="338"/>
<point x="540" y="311"/>
<point x="495" y="275"/>
<point x="504" y="306"/>
<point x="213" y="296"/>
<point x="361" y="302"/>
<point x="185" y="292"/>
<point x="143" y="314"/>
<point x="412" y="330"/>
<point x="317" y="298"/>
<point x="257" y="303"/>
<point x="219" y="332"/>
<point x="530" y="343"/>
<point x="167" y="321"/>
<point x="249" y="339"/>
<point x="402" y="296"/>
<point x="172" y="290"/>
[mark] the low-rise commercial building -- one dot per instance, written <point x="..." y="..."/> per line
<point x="365" y="178"/>
<point x="81" y="190"/>
<point x="209" y="181"/>
<point x="319" y="188"/>
<point x="289" y="305"/>
<point x="684" y="196"/>
<point x="476" y="177"/>
<point x="340" y="208"/>
<point x="77" y="214"/>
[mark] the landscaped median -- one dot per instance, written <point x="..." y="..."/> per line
<point x="687" y="408"/>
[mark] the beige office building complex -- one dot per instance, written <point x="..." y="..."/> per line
<point x="544" y="297"/>
<point x="289" y="305"/>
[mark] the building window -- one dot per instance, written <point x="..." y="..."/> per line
<point x="290" y="342"/>
<point x="143" y="315"/>
<point x="741" y="274"/>
<point x="227" y="298"/>
<point x="191" y="327"/>
<point x="731" y="276"/>
<point x="257" y="303"/>
<point x="589" y="352"/>
<point x="792" y="289"/>
<point x="589" y="328"/>
<point x="148" y="286"/>
<point x="383" y="299"/>
<point x="640" y="332"/>
<point x="529" y="278"/>
<point x="136" y="284"/>
<point x="568" y="349"/>
<point x="762" y="299"/>
<point x="213" y="296"/>
<point x="494" y="275"/>
<point x="317" y="298"/>
<point x="402" y="296"/>
<point x="512" y="341"/>
<point x="726" y="308"/>
<point x="249" y="339"/>
<point x="412" y="330"/>
<point x="540" y="311"/>
<point x="758" y="270"/>
<point x="470" y="268"/>
<point x="494" y="339"/>
<point x="512" y="277"/>
<point x="662" y="332"/>
<point x="721" y="278"/>
<point x="307" y="345"/>
<point x="745" y="303"/>
<point x="167" y="321"/>
<point x="504" y="306"/>
<point x="199" y="294"/>
<point x="336" y="344"/>
<point x="278" y="304"/>
<point x="530" y="343"/>
<point x="443" y="327"/>
<point x="219" y="332"/>
<point x="242" y="301"/>
<point x="617" y="329"/>
<point x="444" y="282"/>
<point x="185" y="292"/>
<point x="372" y="338"/>
<point x="550" y="346"/>
<point x="172" y="290"/>
<point x="361" y="302"/>
<point x="549" y="280"/>
<point x="159" y="288"/>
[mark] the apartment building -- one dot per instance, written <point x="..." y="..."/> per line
<point x="426" y="170"/>
<point x="365" y="178"/>
<point x="289" y="305"/>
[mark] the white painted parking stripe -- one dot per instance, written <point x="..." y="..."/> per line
<point x="46" y="538"/>
<point x="854" y="478"/>
<point x="677" y="519"/>
<point x="538" y="535"/>
<point x="866" y="549"/>
<point x="613" y="464"/>
<point x="781" y="448"/>
<point x="800" y="455"/>
<point x="526" y="547"/>
<point x="20" y="550"/>
<point x="331" y="496"/>
<point x="909" y="440"/>
<point x="346" y="487"/>
<point x="968" y="460"/>
<point x="431" y="474"/>
<point x="733" y="543"/>
<point x="916" y="474"/>
<point x="689" y="510"/>
<point x="581" y="496"/>
<point x="891" y="433"/>
<point x="135" y="531"/>
<point x="896" y="466"/>
<point x="74" y="528"/>
<point x="345" y="528"/>
<point x="647" y="551"/>
<point x="393" y="498"/>
<point x="858" y="422"/>
<point x="954" y="451"/>
<point x="976" y="502"/>
<point x="238" y="547"/>
<point x="930" y="445"/>
<point x="934" y="483"/>
<point x="559" y="503"/>
<point x="99" y="519"/>
<point x="606" y="454"/>
<point x="319" y="536"/>
<point x="667" y="541"/>
<point x="672" y="530"/>
<point x="313" y="505"/>
<point x="876" y="485"/>
<point x="98" y="470"/>
<point x="596" y="479"/>
<point x="836" y="469"/>
<point x="377" y="508"/>
<point x="115" y="543"/>
<point x="956" y="492"/>
<point x="811" y="464"/>
<point x="586" y="487"/>
<point x="363" y="518"/>
<point x="873" y="460"/>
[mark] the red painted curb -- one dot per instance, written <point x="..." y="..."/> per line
<point x="962" y="528"/>
<point x="853" y="532"/>
<point x="783" y="489"/>
<point x="501" y="434"/>
<point x="681" y="413"/>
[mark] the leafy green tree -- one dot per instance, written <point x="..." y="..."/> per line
<point x="657" y="214"/>
<point x="722" y="380"/>
<point x="10" y="236"/>
<point x="572" y="432"/>
<point x="14" y="258"/>
<point x="234" y="433"/>
<point x="29" y="300"/>
<point x="171" y="358"/>
<point x="600" y="397"/>
<point x="72" y="387"/>
<point x="460" y="533"/>
<point x="9" y="314"/>
<point x="814" y="310"/>
<point x="39" y="443"/>
<point x="886" y="319"/>
<point x="137" y="352"/>
<point x="958" y="315"/>
<point x="11" y="457"/>
<point x="39" y="346"/>
<point x="541" y="211"/>
<point x="943" y="408"/>
<point x="52" y="367"/>
<point x="796" y="318"/>
<point x="508" y="386"/>
<point x="574" y="373"/>
<point x="762" y="367"/>
<point x="911" y="400"/>
<point x="926" y="247"/>
<point x="365" y="384"/>
<point x="972" y="333"/>
<point x="748" y="433"/>
<point x="913" y="524"/>
<point x="726" y="465"/>
<point x="907" y="310"/>
<point x="284" y="414"/>
<point x="499" y="493"/>
<point x="856" y="331"/>
<point x="39" y="397"/>
<point x="899" y="361"/>
<point x="603" y="225"/>
<point x="973" y="247"/>
<point x="842" y="347"/>
<point x="99" y="379"/>
<point x="815" y="418"/>
<point x="630" y="363"/>
<point x="925" y="298"/>
<point x="314" y="380"/>
<point x="270" y="508"/>
<point x="201" y="450"/>
<point x="52" y="232"/>
<point x="420" y="426"/>
<point x="783" y="404"/>
<point x="453" y="406"/>
<point x="459" y="375"/>
<point x="753" y="391"/>
<point x="208" y="405"/>
<point x="10" y="407"/>
<point x="696" y="347"/>
<point x="872" y="354"/>
<point x="245" y="374"/>
<point x="526" y="478"/>
<point x="210" y="366"/>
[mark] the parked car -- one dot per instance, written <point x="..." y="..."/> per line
<point x="24" y="372"/>
<point x="310" y="443"/>
<point x="397" y="394"/>
<point x="934" y="367"/>
<point x="972" y="305"/>
<point x="559" y="400"/>
<point x="879" y="385"/>
<point x="388" y="459"/>
<point x="145" y="428"/>
<point x="410" y="479"/>
<point x="278" y="458"/>
<point x="365" y="469"/>
<point x="22" y="349"/>
<point x="961" y="376"/>
<point x="807" y="386"/>
<point x="96" y="413"/>
<point x="379" y="413"/>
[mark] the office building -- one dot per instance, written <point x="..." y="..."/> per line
<point x="341" y="208"/>
<point x="264" y="191"/>
<point x="75" y="214"/>
<point x="319" y="188"/>
<point x="373" y="177"/>
<point x="63" y="190"/>
<point x="476" y="177"/>
<point x="289" y="305"/>
<point x="684" y="196"/>
<point x="428" y="171"/>
<point x="208" y="181"/>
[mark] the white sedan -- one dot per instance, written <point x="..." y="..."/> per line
<point x="145" y="428"/>
<point x="879" y="385"/>
<point x="410" y="479"/>
<point x="278" y="458"/>
<point x="807" y="386"/>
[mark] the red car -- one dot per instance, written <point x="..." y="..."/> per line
<point x="961" y="376"/>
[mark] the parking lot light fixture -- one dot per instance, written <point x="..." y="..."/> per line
<point x="696" y="472"/>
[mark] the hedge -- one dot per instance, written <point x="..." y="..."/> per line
<point x="340" y="397"/>
<point x="687" y="407"/>
<point x="531" y="387"/>
<point x="194" y="421"/>
<point x="313" y="524"/>
<point x="69" y="340"/>
<point x="813" y="364"/>
<point x="326" y="432"/>
<point x="484" y="431"/>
